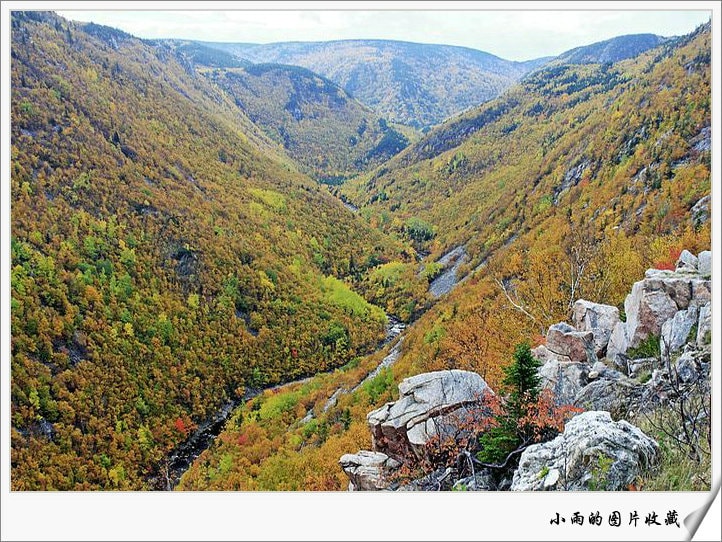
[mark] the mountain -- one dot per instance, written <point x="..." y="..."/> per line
<point x="323" y="128"/>
<point x="410" y="83"/>
<point x="201" y="55"/>
<point x="514" y="157"/>
<point x="570" y="186"/>
<point x="167" y="257"/>
<point x="611" y="50"/>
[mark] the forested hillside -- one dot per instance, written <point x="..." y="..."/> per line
<point x="330" y="134"/>
<point x="410" y="83"/>
<point x="621" y="145"/>
<point x="569" y="186"/>
<point x="611" y="50"/>
<point x="165" y="257"/>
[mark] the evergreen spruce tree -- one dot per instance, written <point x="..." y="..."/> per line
<point x="523" y="386"/>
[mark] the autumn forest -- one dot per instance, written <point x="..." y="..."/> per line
<point x="206" y="235"/>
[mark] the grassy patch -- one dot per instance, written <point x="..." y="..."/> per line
<point x="388" y="273"/>
<point x="685" y="463"/>
<point x="648" y="348"/>
<point x="676" y="471"/>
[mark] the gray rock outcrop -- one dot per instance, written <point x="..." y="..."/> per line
<point x="655" y="300"/>
<point x="368" y="471"/>
<point x="564" y="340"/>
<point x="429" y="405"/>
<point x="704" y="263"/>
<point x="564" y="379"/>
<point x="593" y="451"/>
<point x="597" y="318"/>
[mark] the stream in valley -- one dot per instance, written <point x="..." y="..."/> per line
<point x="180" y="460"/>
<point x="172" y="468"/>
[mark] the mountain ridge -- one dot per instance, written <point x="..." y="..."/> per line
<point x="407" y="87"/>
<point x="611" y="50"/>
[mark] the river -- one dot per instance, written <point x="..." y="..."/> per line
<point x="171" y="470"/>
<point x="180" y="460"/>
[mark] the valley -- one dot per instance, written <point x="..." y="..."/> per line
<point x="224" y="256"/>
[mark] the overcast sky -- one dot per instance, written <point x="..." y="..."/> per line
<point x="514" y="35"/>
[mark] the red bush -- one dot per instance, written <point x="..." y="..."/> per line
<point x="180" y="426"/>
<point x="670" y="263"/>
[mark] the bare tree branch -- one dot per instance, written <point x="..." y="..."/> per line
<point x="517" y="305"/>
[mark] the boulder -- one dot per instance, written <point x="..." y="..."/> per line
<point x="564" y="379"/>
<point x="687" y="262"/>
<point x="543" y="354"/>
<point x="651" y="303"/>
<point x="704" y="326"/>
<point x="687" y="367"/>
<point x="368" y="471"/>
<point x="593" y="451"/>
<point x="429" y="405"/>
<point x="611" y="391"/>
<point x="704" y="263"/>
<point x="618" y="346"/>
<point x="675" y="331"/>
<point x="597" y="318"/>
<point x="564" y="340"/>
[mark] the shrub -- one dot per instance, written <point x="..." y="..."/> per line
<point x="670" y="262"/>
<point x="648" y="348"/>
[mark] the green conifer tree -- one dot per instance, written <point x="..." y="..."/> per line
<point x="523" y="386"/>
